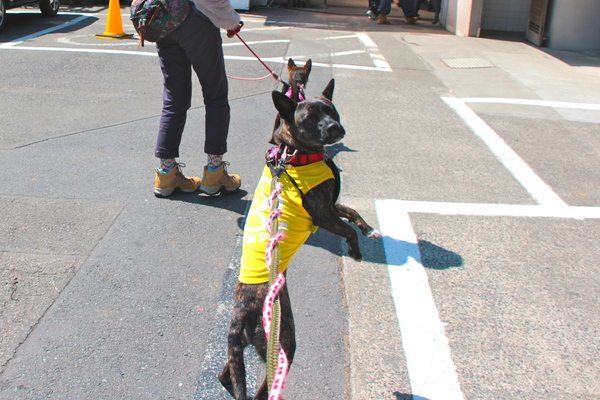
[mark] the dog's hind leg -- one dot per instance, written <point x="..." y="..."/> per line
<point x="233" y="376"/>
<point x="354" y="217"/>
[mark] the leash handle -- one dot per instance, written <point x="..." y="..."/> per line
<point x="275" y="76"/>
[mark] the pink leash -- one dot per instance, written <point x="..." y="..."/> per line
<point x="281" y="370"/>
<point x="271" y="72"/>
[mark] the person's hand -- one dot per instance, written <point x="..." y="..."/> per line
<point x="231" y="33"/>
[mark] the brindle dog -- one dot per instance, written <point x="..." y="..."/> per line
<point x="298" y="79"/>
<point x="308" y="127"/>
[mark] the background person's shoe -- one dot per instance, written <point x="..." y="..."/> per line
<point x="166" y="184"/>
<point x="372" y="15"/>
<point x="214" y="182"/>
<point x="382" y="20"/>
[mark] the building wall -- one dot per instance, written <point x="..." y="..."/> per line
<point x="574" y="25"/>
<point x="505" y="15"/>
<point x="461" y="17"/>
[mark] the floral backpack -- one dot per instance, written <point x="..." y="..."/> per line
<point x="155" y="19"/>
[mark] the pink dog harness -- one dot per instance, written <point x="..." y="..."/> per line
<point x="300" y="93"/>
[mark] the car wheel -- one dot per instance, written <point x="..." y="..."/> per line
<point x="2" y="14"/>
<point x="49" y="8"/>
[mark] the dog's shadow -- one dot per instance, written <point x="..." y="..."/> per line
<point x="337" y="148"/>
<point x="431" y="255"/>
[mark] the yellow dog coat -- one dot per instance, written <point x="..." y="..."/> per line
<point x="295" y="221"/>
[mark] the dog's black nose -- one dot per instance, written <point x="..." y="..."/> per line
<point x="334" y="132"/>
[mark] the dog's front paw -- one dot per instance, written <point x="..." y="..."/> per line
<point x="355" y="254"/>
<point x="374" y="234"/>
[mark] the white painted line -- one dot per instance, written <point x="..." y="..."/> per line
<point x="79" y="50"/>
<point x="347" y="53"/>
<point x="540" y="191"/>
<point x="278" y="60"/>
<point x="45" y="31"/>
<point x="373" y="50"/>
<point x="353" y="36"/>
<point x="269" y="28"/>
<point x="429" y="362"/>
<point x="309" y="25"/>
<point x="256" y="42"/>
<point x="497" y="210"/>
<point x="539" y="103"/>
<point x="282" y="60"/>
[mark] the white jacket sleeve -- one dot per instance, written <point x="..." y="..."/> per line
<point x="220" y="13"/>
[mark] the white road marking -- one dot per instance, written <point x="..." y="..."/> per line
<point x="72" y="40"/>
<point x="373" y="50"/>
<point x="539" y="103"/>
<point x="80" y="50"/>
<point x="540" y="191"/>
<point x="497" y="210"/>
<point x="430" y="367"/>
<point x="256" y="42"/>
<point x="46" y="31"/>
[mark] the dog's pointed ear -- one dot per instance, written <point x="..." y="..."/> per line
<point x="328" y="92"/>
<point x="285" y="105"/>
<point x="308" y="65"/>
<point x="291" y="64"/>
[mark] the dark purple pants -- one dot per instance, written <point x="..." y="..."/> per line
<point x="195" y="44"/>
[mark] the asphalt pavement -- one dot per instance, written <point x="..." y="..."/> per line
<point x="477" y="158"/>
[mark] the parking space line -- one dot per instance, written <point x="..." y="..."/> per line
<point x="532" y="183"/>
<point x="380" y="63"/>
<point x="497" y="210"/>
<point x="373" y="51"/>
<point x="83" y="50"/>
<point x="46" y="31"/>
<point x="539" y="103"/>
<point x="431" y="371"/>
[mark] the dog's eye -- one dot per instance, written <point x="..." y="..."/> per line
<point x="311" y="119"/>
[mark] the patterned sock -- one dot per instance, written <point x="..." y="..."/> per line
<point x="166" y="165"/>
<point x="214" y="162"/>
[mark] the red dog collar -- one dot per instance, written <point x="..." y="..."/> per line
<point x="303" y="159"/>
<point x="297" y="159"/>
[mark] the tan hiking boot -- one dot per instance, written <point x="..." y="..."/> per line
<point x="382" y="20"/>
<point x="166" y="184"/>
<point x="214" y="182"/>
<point x="411" y="20"/>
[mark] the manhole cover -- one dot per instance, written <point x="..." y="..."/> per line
<point x="467" y="63"/>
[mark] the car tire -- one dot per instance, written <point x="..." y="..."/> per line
<point x="49" y="8"/>
<point x="2" y="14"/>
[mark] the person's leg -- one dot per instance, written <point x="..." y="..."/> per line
<point x="436" y="9"/>
<point x="177" y="94"/>
<point x="416" y="7"/>
<point x="202" y="43"/>
<point x="373" y="7"/>
<point x="409" y="11"/>
<point x="203" y="46"/>
<point x="385" y="6"/>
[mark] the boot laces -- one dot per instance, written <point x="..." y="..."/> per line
<point x="180" y="173"/>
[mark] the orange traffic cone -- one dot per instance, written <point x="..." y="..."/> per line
<point x="114" y="24"/>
